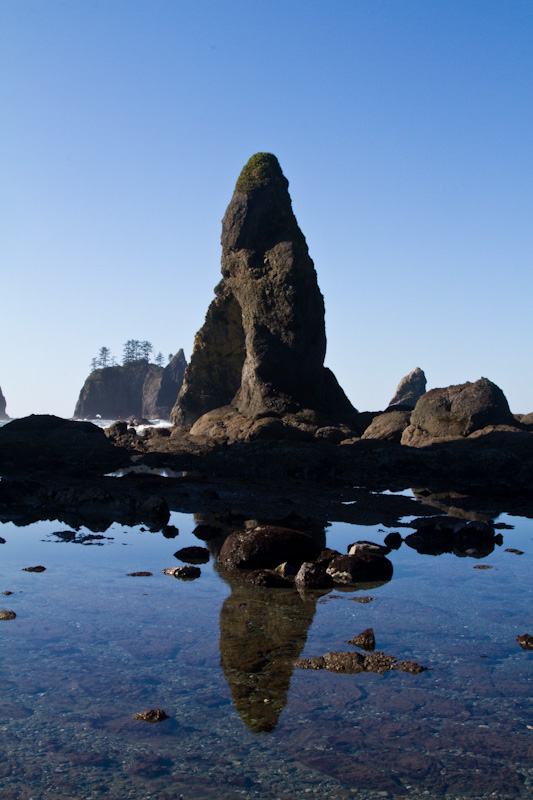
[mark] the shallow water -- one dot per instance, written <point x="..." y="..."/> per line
<point x="91" y="646"/>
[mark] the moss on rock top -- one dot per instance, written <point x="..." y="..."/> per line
<point x="261" y="170"/>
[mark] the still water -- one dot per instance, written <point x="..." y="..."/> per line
<point x="91" y="646"/>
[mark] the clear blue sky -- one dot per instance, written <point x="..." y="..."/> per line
<point x="404" y="128"/>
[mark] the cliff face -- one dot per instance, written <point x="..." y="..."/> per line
<point x="3" y="414"/>
<point x="214" y="374"/>
<point x="137" y="389"/>
<point x="270" y="301"/>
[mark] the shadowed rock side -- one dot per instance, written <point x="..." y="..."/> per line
<point x="410" y="389"/>
<point x="136" y="389"/>
<point x="214" y="374"/>
<point x="3" y="414"/>
<point x="169" y="387"/>
<point x="267" y="270"/>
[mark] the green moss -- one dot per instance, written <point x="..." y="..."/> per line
<point x="261" y="169"/>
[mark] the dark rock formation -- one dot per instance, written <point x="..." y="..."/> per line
<point x="6" y="613"/>
<point x="525" y="641"/>
<point x="410" y="389"/>
<point x="51" y="444"/>
<point x="457" y="411"/>
<point x="214" y="374"/>
<point x="313" y="575"/>
<point x="193" y="555"/>
<point x="267" y="546"/>
<point x="388" y="426"/>
<point x="270" y="293"/>
<point x="136" y="389"/>
<point x="169" y="387"/>
<point x="186" y="573"/>
<point x="152" y="715"/>
<point x="3" y="414"/>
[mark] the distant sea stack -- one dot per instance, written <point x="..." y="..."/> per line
<point x="270" y="291"/>
<point x="136" y="389"/>
<point x="3" y="414"/>
<point x="410" y="389"/>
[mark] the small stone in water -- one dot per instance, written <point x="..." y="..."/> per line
<point x="152" y="715"/>
<point x="33" y="569"/>
<point x="514" y="550"/>
<point x="139" y="574"/>
<point x="482" y="566"/>
<point x="525" y="641"/>
<point x="6" y="614"/>
<point x="7" y="592"/>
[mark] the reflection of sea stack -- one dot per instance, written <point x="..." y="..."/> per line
<point x="262" y="633"/>
<point x="270" y="282"/>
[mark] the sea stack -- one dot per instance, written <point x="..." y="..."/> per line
<point x="3" y="414"/>
<point x="267" y="270"/>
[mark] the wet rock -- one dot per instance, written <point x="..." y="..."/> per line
<point x="365" y="599"/>
<point x="482" y="566"/>
<point x="286" y="570"/>
<point x="378" y="662"/>
<point x="525" y="641"/>
<point x="364" y="640"/>
<point x="34" y="569"/>
<point x="358" y="548"/>
<point x="139" y="574"/>
<point x="7" y="592"/>
<point x="193" y="555"/>
<point x="170" y="531"/>
<point x="514" y="550"/>
<point x="393" y="540"/>
<point x="268" y="578"/>
<point x="326" y="556"/>
<point x="266" y="546"/>
<point x="187" y="573"/>
<point x="318" y="662"/>
<point x="152" y="715"/>
<point x="312" y="575"/>
<point x="6" y="614"/>
<point x="2" y="540"/>
<point x="154" y="509"/>
<point x="207" y="532"/>
<point x="363" y="567"/>
<point x="409" y="666"/>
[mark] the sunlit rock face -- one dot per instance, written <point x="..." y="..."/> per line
<point x="457" y="411"/>
<point x="410" y="389"/>
<point x="269" y="274"/>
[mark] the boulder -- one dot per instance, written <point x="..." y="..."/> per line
<point x="42" y="442"/>
<point x="360" y="568"/>
<point x="263" y="343"/>
<point x="313" y="575"/>
<point x="457" y="411"/>
<point x="267" y="546"/>
<point x="3" y="413"/>
<point x="388" y="426"/>
<point x="410" y="389"/>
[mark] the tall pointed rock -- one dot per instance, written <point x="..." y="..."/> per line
<point x="267" y="269"/>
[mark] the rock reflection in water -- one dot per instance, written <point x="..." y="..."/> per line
<point x="262" y="633"/>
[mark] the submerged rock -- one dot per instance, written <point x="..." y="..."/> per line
<point x="7" y="614"/>
<point x="313" y="575"/>
<point x="193" y="554"/>
<point x="525" y="641"/>
<point x="152" y="715"/>
<point x="364" y="640"/>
